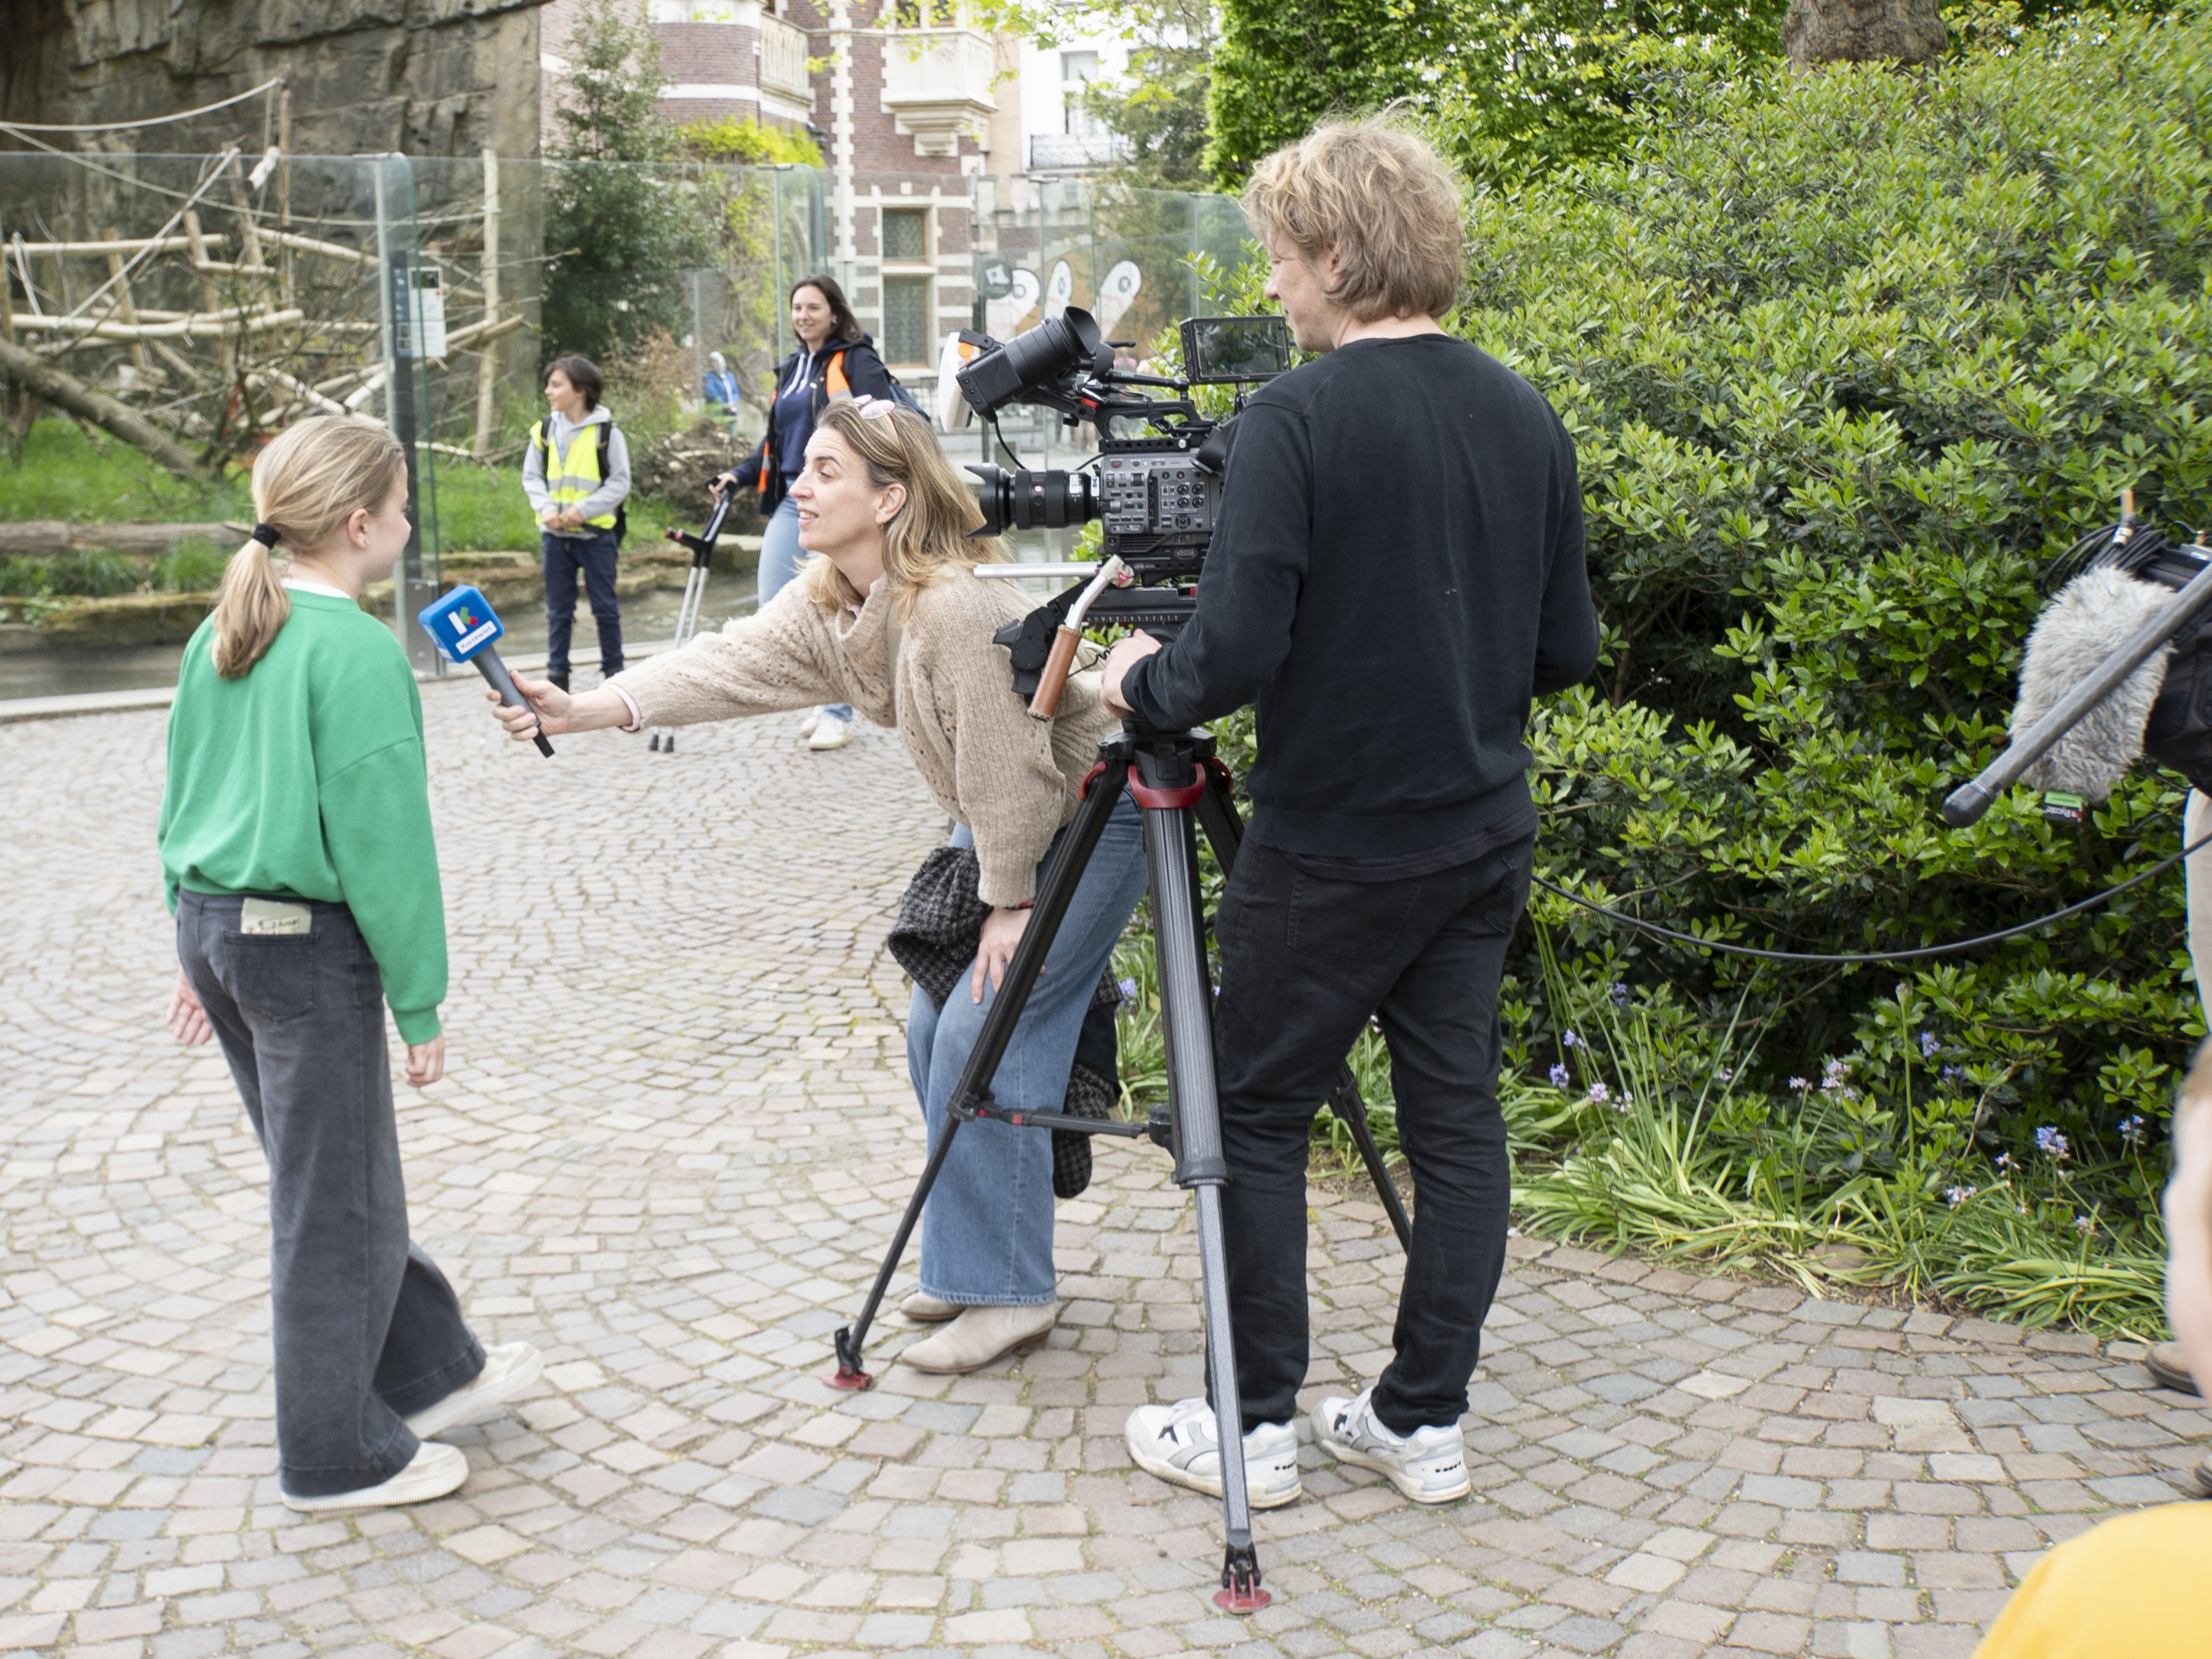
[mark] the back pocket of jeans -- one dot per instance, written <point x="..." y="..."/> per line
<point x="1352" y="922"/>
<point x="272" y="976"/>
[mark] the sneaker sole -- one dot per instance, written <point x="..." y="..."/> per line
<point x="1397" y="1476"/>
<point x="1160" y="1468"/>
<point x="341" y="1502"/>
<point x="455" y="1410"/>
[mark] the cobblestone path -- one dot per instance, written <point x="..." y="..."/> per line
<point x="675" y="1138"/>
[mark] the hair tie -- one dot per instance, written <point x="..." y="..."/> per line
<point x="265" y="534"/>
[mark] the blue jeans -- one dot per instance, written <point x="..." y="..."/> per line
<point x="595" y="555"/>
<point x="781" y="555"/>
<point x="986" y="1230"/>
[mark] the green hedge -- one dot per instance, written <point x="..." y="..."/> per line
<point x="1846" y="356"/>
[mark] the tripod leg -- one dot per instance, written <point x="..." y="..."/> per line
<point x="1187" y="1023"/>
<point x="1060" y="884"/>
<point x="1217" y="816"/>
<point x="1351" y="1111"/>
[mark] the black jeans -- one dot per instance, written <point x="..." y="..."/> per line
<point x="1304" y="961"/>
<point x="367" y="1329"/>
<point x="596" y="555"/>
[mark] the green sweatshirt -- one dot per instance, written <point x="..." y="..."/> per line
<point x="307" y="780"/>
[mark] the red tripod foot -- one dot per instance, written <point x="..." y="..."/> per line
<point x="848" y="1376"/>
<point x="1240" y="1591"/>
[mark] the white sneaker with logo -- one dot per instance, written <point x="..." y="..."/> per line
<point x="1182" y="1444"/>
<point x="830" y="732"/>
<point x="1428" y="1465"/>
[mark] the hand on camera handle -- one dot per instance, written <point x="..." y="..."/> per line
<point x="1125" y="655"/>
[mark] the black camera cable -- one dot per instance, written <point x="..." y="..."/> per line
<point x="1955" y="948"/>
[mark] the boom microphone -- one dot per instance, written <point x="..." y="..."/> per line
<point x="464" y="627"/>
<point x="2094" y="689"/>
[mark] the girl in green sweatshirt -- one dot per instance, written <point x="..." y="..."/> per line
<point x="298" y="857"/>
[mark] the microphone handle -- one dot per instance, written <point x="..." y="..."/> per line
<point x="1969" y="800"/>
<point x="495" y="671"/>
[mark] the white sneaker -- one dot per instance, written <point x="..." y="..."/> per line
<point x="830" y="732"/>
<point x="507" y="1370"/>
<point x="924" y="1309"/>
<point x="809" y="720"/>
<point x="434" y="1471"/>
<point x="1182" y="1444"/>
<point x="1428" y="1465"/>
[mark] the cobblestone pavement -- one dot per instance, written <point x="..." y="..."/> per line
<point x="676" y="1136"/>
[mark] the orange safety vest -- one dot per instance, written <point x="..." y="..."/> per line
<point x="837" y="387"/>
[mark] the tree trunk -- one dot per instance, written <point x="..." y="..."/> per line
<point x="34" y="374"/>
<point x="1863" y="32"/>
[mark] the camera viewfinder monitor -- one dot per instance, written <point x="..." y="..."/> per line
<point x="1219" y="350"/>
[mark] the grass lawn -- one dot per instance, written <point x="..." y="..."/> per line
<point x="63" y="474"/>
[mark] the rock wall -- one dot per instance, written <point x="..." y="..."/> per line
<point x="429" y="77"/>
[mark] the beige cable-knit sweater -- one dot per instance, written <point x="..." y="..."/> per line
<point x="1011" y="779"/>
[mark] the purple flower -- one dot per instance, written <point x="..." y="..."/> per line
<point x="1726" y="1074"/>
<point x="1952" y="1074"/>
<point x="1959" y="1195"/>
<point x="2131" y="1130"/>
<point x="1927" y="1044"/>
<point x="2050" y="1142"/>
<point x="1626" y="1104"/>
<point x="1568" y="1039"/>
<point x="1128" y="988"/>
<point x="1799" y="1084"/>
<point x="1559" y="1076"/>
<point x="2004" y="1160"/>
<point x="1620" y="995"/>
<point x="2084" y="1225"/>
<point x="1833" y="1076"/>
<point x="1600" y="1094"/>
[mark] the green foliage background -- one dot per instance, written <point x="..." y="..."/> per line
<point x="1847" y="357"/>
<point x="1513" y="89"/>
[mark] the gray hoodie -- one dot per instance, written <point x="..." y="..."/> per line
<point x="560" y="432"/>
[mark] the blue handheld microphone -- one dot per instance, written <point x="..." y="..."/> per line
<point x="464" y="627"/>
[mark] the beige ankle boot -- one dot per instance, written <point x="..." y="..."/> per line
<point x="980" y="1335"/>
<point x="924" y="1309"/>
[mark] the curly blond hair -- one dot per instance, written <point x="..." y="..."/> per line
<point x="1383" y="198"/>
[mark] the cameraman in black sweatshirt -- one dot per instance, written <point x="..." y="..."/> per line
<point x="1397" y="570"/>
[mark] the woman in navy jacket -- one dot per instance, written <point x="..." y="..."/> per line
<point x="835" y="359"/>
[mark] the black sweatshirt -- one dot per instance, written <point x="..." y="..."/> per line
<point x="1397" y="570"/>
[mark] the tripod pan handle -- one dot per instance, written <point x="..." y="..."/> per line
<point x="1054" y="680"/>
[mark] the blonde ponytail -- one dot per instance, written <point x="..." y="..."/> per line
<point x="314" y="476"/>
<point x="251" y="607"/>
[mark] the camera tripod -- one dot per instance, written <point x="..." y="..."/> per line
<point x="1182" y="788"/>
<point x="695" y="591"/>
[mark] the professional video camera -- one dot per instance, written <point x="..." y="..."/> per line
<point x="1156" y="495"/>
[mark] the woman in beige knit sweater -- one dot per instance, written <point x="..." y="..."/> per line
<point x="891" y="619"/>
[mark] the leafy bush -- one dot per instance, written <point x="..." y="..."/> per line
<point x="732" y="138"/>
<point x="191" y="567"/>
<point x="1845" y="358"/>
<point x="1513" y="89"/>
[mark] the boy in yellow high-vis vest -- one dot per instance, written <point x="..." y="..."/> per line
<point x="575" y="470"/>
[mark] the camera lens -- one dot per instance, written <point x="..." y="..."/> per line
<point x="1033" y="359"/>
<point x="1032" y="501"/>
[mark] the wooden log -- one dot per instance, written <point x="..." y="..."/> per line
<point x="42" y="378"/>
<point x="200" y="325"/>
<point x="114" y="244"/>
<point x="38" y="538"/>
<point x="129" y="309"/>
<point x="310" y="244"/>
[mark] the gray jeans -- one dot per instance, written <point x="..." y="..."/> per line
<point x="367" y="1329"/>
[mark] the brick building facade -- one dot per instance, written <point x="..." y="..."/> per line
<point x="906" y="103"/>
